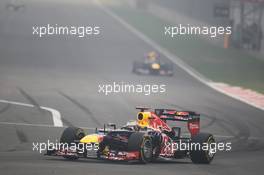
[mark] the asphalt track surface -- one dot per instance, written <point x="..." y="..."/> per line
<point x="64" y="73"/>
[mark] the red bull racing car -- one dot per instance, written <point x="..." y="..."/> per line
<point x="152" y="65"/>
<point x="146" y="139"/>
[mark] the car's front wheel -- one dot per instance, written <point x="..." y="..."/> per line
<point x="142" y="143"/>
<point x="71" y="135"/>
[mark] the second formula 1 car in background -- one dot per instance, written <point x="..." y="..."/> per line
<point x="152" y="64"/>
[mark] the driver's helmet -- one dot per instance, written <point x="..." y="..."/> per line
<point x="152" y="56"/>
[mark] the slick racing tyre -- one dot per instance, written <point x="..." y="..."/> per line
<point x="203" y="156"/>
<point x="135" y="67"/>
<point x="142" y="143"/>
<point x="70" y="136"/>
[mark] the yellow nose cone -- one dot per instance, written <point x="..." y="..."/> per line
<point x="93" y="138"/>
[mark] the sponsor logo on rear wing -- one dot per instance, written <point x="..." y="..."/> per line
<point x="174" y="115"/>
<point x="179" y="118"/>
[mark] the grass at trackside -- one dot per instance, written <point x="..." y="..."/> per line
<point x="218" y="64"/>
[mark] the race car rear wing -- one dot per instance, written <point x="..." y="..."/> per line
<point x="174" y="115"/>
<point x="192" y="118"/>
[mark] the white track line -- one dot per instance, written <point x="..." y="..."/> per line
<point x="56" y="116"/>
<point x="170" y="56"/>
<point x="29" y="124"/>
<point x="39" y="125"/>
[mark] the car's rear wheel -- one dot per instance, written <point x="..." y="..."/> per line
<point x="136" y="65"/>
<point x="203" y="156"/>
<point x="142" y="143"/>
<point x="71" y="135"/>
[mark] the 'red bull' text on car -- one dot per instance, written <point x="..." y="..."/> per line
<point x="145" y="140"/>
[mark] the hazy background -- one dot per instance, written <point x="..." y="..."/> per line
<point x="63" y="73"/>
